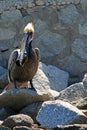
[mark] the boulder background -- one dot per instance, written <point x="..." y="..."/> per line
<point x="60" y="32"/>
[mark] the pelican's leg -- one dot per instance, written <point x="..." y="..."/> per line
<point x="15" y="86"/>
<point x="32" y="87"/>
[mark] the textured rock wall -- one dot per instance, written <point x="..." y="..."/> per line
<point x="60" y="32"/>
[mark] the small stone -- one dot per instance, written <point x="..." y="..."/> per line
<point x="40" y="2"/>
<point x="31" y="3"/>
<point x="18" y="120"/>
<point x="22" y="128"/>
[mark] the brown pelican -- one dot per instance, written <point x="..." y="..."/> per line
<point x="23" y="62"/>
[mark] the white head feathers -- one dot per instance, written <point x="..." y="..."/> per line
<point x="29" y="27"/>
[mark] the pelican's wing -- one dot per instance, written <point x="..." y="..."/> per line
<point x="11" y="63"/>
<point x="37" y="51"/>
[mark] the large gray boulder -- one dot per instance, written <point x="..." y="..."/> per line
<point x="54" y="113"/>
<point x="73" y="93"/>
<point x="16" y="99"/>
<point x="11" y="15"/>
<point x="50" y="44"/>
<point x="49" y="76"/>
<point x="69" y="14"/>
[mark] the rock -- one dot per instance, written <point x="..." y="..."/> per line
<point x="58" y="79"/>
<point x="18" y="120"/>
<point x="3" y="77"/>
<point x="68" y="15"/>
<point x="12" y="15"/>
<point x="4" y="113"/>
<point x="83" y="29"/>
<point x="4" y="57"/>
<point x="78" y="47"/>
<point x="73" y="93"/>
<point x="72" y="127"/>
<point x="70" y="64"/>
<point x="32" y="110"/>
<point x="22" y="128"/>
<point x="27" y="128"/>
<point x="4" y="128"/>
<point x="40" y="26"/>
<point x="50" y="43"/>
<point x="31" y="3"/>
<point x="84" y="111"/>
<point x="6" y="34"/>
<point x="85" y="81"/>
<point x="16" y="99"/>
<point x="84" y="4"/>
<point x="54" y="113"/>
<point x="43" y="12"/>
<point x="40" y="2"/>
<point x="82" y="103"/>
<point x="1" y="122"/>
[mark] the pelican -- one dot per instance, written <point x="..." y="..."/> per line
<point x="23" y="62"/>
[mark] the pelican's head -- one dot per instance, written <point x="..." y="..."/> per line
<point x="26" y="44"/>
<point x="29" y="32"/>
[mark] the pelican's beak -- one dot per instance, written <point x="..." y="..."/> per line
<point x="24" y="49"/>
<point x="21" y="58"/>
